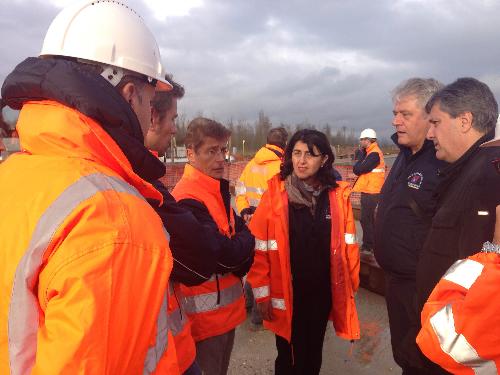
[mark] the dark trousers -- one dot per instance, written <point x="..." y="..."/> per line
<point x="404" y="323"/>
<point x="250" y="304"/>
<point x="368" y="204"/>
<point x="194" y="369"/>
<point x="213" y="354"/>
<point x="304" y="355"/>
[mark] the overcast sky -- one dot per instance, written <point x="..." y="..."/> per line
<point x="320" y="62"/>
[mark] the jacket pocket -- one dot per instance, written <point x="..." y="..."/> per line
<point x="444" y="235"/>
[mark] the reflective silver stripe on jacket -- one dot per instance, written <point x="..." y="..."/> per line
<point x="257" y="190"/>
<point x="457" y="346"/>
<point x="263" y="245"/>
<point x="254" y="202"/>
<point x="176" y="319"/>
<point x="240" y="188"/>
<point x="350" y="239"/>
<point x="278" y="303"/>
<point x="378" y="170"/>
<point x="23" y="310"/>
<point x="464" y="272"/>
<point x="261" y="292"/>
<point x="155" y="353"/>
<point x="208" y="301"/>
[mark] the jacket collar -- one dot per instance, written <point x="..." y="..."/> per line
<point x="68" y="83"/>
<point x="277" y="150"/>
<point x="407" y="151"/>
<point x="372" y="147"/>
<point x="456" y="166"/>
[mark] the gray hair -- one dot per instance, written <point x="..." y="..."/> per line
<point x="468" y="95"/>
<point x="421" y="88"/>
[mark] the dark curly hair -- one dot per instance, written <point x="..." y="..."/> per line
<point x="311" y="138"/>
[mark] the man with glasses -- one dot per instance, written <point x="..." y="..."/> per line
<point x="217" y="306"/>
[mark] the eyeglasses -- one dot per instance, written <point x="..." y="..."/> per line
<point x="307" y="155"/>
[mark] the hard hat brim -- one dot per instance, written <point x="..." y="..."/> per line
<point x="163" y="85"/>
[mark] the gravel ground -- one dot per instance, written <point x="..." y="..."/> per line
<point x="254" y="352"/>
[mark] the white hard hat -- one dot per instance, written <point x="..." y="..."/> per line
<point x="107" y="32"/>
<point x="368" y="133"/>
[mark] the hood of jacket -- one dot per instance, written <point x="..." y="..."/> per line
<point x="72" y="85"/>
<point x="267" y="154"/>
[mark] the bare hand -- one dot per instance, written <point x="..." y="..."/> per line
<point x="266" y="310"/>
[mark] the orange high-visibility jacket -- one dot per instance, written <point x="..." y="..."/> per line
<point x="82" y="278"/>
<point x="372" y="182"/>
<point x="216" y="306"/>
<point x="461" y="319"/>
<point x="270" y="275"/>
<point x="180" y="326"/>
<point x="253" y="180"/>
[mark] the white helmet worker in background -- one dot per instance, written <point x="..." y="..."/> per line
<point x="83" y="279"/>
<point x="368" y="133"/>
<point x="366" y="137"/>
<point x="369" y="166"/>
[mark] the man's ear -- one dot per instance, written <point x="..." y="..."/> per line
<point x="155" y="120"/>
<point x="128" y="91"/>
<point x="465" y="119"/>
<point x="190" y="154"/>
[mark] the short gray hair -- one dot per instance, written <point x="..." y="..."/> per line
<point x="421" y="88"/>
<point x="468" y="95"/>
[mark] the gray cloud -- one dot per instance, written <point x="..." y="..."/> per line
<point x="300" y="61"/>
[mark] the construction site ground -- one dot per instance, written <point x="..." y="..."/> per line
<point x="254" y="352"/>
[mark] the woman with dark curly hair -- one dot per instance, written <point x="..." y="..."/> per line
<point x="306" y="267"/>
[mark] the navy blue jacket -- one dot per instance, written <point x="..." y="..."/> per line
<point x="406" y="206"/>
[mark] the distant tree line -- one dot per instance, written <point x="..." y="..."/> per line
<point x="254" y="134"/>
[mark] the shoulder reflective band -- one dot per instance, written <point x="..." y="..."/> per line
<point x="456" y="345"/>
<point x="378" y="170"/>
<point x="263" y="245"/>
<point x="261" y="292"/>
<point x="23" y="310"/>
<point x="155" y="353"/>
<point x="464" y="272"/>
<point x="208" y="301"/>
<point x="350" y="239"/>
<point x="278" y="303"/>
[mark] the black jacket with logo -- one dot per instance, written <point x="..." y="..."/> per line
<point x="465" y="216"/>
<point x="405" y="210"/>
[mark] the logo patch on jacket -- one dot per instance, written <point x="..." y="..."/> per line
<point x="415" y="180"/>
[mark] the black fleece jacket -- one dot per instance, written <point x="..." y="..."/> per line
<point x="232" y="254"/>
<point x="80" y="88"/>
<point x="465" y="218"/>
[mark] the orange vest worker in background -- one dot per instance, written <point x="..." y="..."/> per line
<point x="370" y="169"/>
<point x="253" y="180"/>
